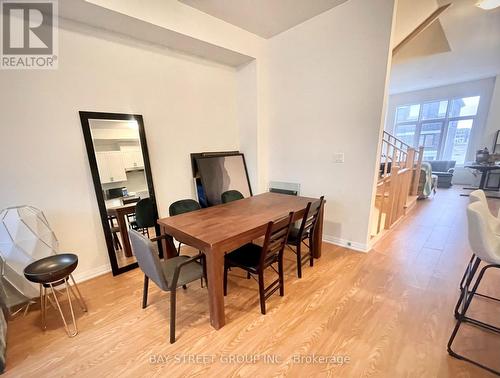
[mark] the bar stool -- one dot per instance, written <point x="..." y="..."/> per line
<point x="486" y="246"/>
<point x="494" y="221"/>
<point x="50" y="272"/>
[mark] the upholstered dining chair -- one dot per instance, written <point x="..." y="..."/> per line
<point x="486" y="246"/>
<point x="230" y="196"/>
<point x="181" y="207"/>
<point x="145" y="215"/>
<point x="255" y="259"/>
<point x="298" y="236"/>
<point x="167" y="274"/>
<point x="131" y="217"/>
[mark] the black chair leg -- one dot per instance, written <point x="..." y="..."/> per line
<point x="226" y="267"/>
<point x="248" y="275"/>
<point x="281" y="276"/>
<point x="465" y="300"/>
<point x="311" y="249"/>
<point x="262" y="294"/>
<point x="179" y="248"/>
<point x="299" y="260"/>
<point x="173" y="301"/>
<point x="462" y="281"/>
<point x="145" y="292"/>
<point x="470" y="272"/>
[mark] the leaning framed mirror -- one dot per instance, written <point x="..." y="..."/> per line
<point x="119" y="163"/>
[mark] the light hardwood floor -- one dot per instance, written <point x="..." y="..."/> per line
<point x="388" y="311"/>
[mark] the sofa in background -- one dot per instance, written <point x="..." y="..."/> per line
<point x="444" y="170"/>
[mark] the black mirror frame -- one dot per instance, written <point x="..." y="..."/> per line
<point x="85" y="116"/>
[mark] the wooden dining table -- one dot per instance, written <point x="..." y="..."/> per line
<point x="220" y="229"/>
<point x="120" y="212"/>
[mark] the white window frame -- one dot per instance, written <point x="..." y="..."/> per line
<point x="445" y="122"/>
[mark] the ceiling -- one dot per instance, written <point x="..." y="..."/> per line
<point x="468" y="50"/>
<point x="108" y="16"/>
<point x="265" y="18"/>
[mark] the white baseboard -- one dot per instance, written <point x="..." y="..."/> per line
<point x="91" y="273"/>
<point x="359" y="247"/>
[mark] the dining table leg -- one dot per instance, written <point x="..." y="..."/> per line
<point x="215" y="265"/>
<point x="122" y="224"/>
<point x="167" y="244"/>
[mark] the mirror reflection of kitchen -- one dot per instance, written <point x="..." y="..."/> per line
<point x="123" y="181"/>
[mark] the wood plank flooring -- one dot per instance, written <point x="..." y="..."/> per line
<point x="390" y="312"/>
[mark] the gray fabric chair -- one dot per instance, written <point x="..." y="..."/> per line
<point x="444" y="170"/>
<point x="167" y="274"/>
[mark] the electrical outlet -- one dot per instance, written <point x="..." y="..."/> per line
<point x="338" y="157"/>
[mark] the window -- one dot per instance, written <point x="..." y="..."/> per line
<point x="406" y="133"/>
<point x="442" y="127"/>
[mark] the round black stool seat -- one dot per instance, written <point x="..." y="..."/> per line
<point x="51" y="268"/>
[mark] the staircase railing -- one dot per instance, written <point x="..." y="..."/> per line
<point x="400" y="166"/>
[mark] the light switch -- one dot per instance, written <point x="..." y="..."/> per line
<point x="338" y="157"/>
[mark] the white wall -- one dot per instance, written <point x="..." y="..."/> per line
<point x="189" y="105"/>
<point x="409" y="15"/>
<point x="309" y="93"/>
<point x="493" y="122"/>
<point x="481" y="136"/>
<point x="327" y="81"/>
<point x="186" y="20"/>
<point x="246" y="80"/>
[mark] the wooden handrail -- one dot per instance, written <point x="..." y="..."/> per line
<point x="396" y="139"/>
<point x="395" y="146"/>
<point x="394" y="187"/>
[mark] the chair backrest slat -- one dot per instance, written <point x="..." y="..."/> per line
<point x="310" y="218"/>
<point x="275" y="240"/>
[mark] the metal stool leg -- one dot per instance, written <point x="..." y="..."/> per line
<point x="79" y="297"/>
<point x="75" y="330"/>
<point x="43" y="303"/>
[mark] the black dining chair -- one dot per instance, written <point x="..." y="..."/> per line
<point x="181" y="207"/>
<point x="114" y="232"/>
<point x="255" y="259"/>
<point x="230" y="196"/>
<point x="298" y="236"/>
<point x="131" y="217"/>
<point x="168" y="274"/>
<point x="145" y="215"/>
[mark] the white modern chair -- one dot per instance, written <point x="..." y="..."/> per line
<point x="486" y="246"/>
<point x="494" y="221"/>
<point x="479" y="196"/>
